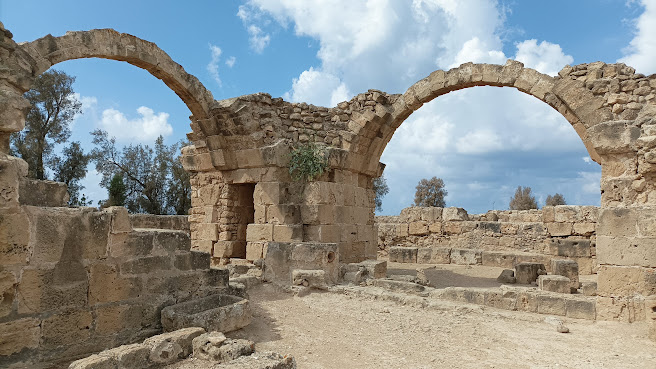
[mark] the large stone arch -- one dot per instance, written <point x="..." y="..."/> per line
<point x="571" y="98"/>
<point x="30" y="59"/>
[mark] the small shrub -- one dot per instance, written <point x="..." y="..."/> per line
<point x="308" y="162"/>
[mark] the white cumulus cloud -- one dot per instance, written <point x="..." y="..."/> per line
<point x="146" y="128"/>
<point x="230" y="62"/>
<point x="544" y="57"/>
<point x="318" y="87"/>
<point x="641" y="52"/>
<point x="213" y="66"/>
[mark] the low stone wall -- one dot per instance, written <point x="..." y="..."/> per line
<point x="77" y="280"/>
<point x="171" y="222"/>
<point x="554" y="231"/>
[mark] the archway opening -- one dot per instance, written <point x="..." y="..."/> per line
<point x="484" y="142"/>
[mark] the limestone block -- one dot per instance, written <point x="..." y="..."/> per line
<point x="620" y="308"/>
<point x="626" y="281"/>
<point x="8" y="282"/>
<point x="128" y="356"/>
<point x="527" y="79"/>
<point x="579" y="308"/>
<point x="254" y="250"/>
<point x="500" y="299"/>
<point x="173" y="346"/>
<point x="569" y="247"/>
<point x="120" y="222"/>
<point x="402" y="230"/>
<point x="509" y="228"/>
<point x="309" y="278"/>
<point x="146" y="265"/>
<point x="398" y="286"/>
<point x="551" y="304"/>
<point x="205" y="344"/>
<point x="229" y="249"/>
<point x="51" y="289"/>
<point x="282" y="258"/>
<point x="507" y="276"/>
<point x="584" y="229"/>
<point x="431" y="214"/>
<point x="466" y="256"/>
<point x="283" y="214"/>
<point x="614" y="137"/>
<point x="411" y="214"/>
<point x="105" y="285"/>
<point x="36" y="192"/>
<point x="418" y="228"/>
<point x="452" y="228"/>
<point x="567" y="268"/>
<point x="20" y="334"/>
<point x="260" y="213"/>
<point x="554" y="283"/>
<point x="548" y="214"/>
<point x="207" y="231"/>
<point x="317" y="214"/>
<point x="171" y="241"/>
<point x="454" y="214"/>
<point x="435" y="227"/>
<point x="589" y="288"/>
<point x="566" y="213"/>
<point x="399" y="254"/>
<point x="202" y="245"/>
<point x="559" y="229"/>
<point x="638" y="251"/>
<point x="94" y="362"/>
<point x="375" y="268"/>
<point x="259" y="232"/>
<point x="287" y="233"/>
<point x="430" y="255"/>
<point x="216" y="312"/>
<point x="66" y="328"/>
<point x="527" y="273"/>
<point x="499" y="259"/>
<point x="328" y="233"/>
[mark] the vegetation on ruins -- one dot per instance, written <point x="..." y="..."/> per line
<point x="430" y="192"/>
<point x="307" y="162"/>
<point x="47" y="123"/>
<point x="154" y="179"/>
<point x="557" y="199"/>
<point x="523" y="199"/>
<point x="380" y="190"/>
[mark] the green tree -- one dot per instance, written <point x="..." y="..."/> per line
<point x="154" y="179"/>
<point x="430" y="192"/>
<point x="71" y="168"/>
<point x="380" y="190"/>
<point x="116" y="191"/>
<point x="523" y="199"/>
<point x="557" y="199"/>
<point x="53" y="108"/>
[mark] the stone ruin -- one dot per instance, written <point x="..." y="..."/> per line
<point x="76" y="281"/>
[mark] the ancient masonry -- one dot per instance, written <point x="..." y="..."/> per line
<point x="244" y="200"/>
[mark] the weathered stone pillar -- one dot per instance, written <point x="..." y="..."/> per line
<point x="626" y="233"/>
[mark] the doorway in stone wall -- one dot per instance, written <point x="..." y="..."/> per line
<point x="244" y="211"/>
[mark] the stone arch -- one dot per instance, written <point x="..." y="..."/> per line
<point x="568" y="96"/>
<point x="110" y="44"/>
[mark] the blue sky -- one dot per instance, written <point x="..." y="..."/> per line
<point x="484" y="141"/>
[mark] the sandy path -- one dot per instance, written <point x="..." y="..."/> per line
<point x="329" y="330"/>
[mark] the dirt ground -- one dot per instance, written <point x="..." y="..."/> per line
<point x="332" y="330"/>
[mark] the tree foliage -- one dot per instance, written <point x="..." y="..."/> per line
<point x="523" y="199"/>
<point x="116" y="191"/>
<point x="53" y="108"/>
<point x="430" y="192"/>
<point x="154" y="180"/>
<point x="71" y="168"/>
<point x="307" y="162"/>
<point x="380" y="190"/>
<point x="557" y="199"/>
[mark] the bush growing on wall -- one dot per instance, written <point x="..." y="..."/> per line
<point x="307" y="162"/>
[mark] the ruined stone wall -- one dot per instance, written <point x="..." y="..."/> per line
<point x="78" y="280"/>
<point x="560" y="231"/>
